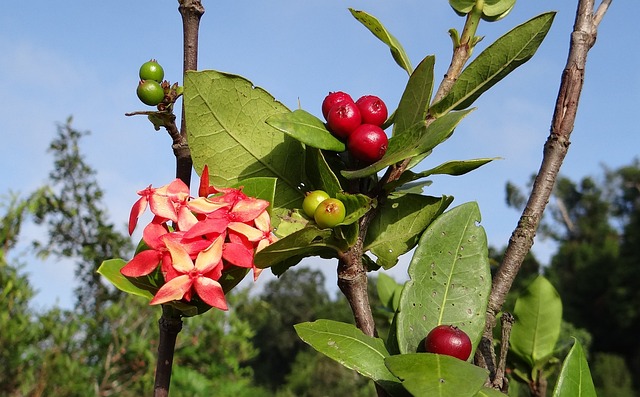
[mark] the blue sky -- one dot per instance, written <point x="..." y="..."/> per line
<point x="80" y="59"/>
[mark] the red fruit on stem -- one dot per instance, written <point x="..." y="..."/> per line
<point x="343" y="118"/>
<point x="368" y="143"/>
<point x="448" y="340"/>
<point x="332" y="99"/>
<point x="372" y="110"/>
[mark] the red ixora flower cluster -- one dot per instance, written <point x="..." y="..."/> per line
<point x="219" y="229"/>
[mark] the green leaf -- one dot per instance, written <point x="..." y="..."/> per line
<point x="497" y="8"/>
<point x="110" y="269"/>
<point x="414" y="141"/>
<point x="388" y="290"/>
<point x="437" y="375"/>
<point x="319" y="171"/>
<point x="225" y="116"/>
<point x="415" y="99"/>
<point x="347" y="345"/>
<point x="378" y="30"/>
<point x="462" y="6"/>
<point x="309" y="241"/>
<point x="488" y="392"/>
<point x="575" y="378"/>
<point x="306" y="128"/>
<point x="449" y="281"/>
<point x="356" y="206"/>
<point x="453" y="168"/>
<point x="398" y="226"/>
<point x="494" y="63"/>
<point x="538" y="314"/>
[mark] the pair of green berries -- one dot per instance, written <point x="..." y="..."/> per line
<point x="150" y="90"/>
<point x="326" y="211"/>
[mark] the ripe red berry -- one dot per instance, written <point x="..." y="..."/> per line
<point x="449" y="340"/>
<point x="372" y="110"/>
<point x="343" y="118"/>
<point x="332" y="99"/>
<point x="368" y="143"/>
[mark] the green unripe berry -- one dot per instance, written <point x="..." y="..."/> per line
<point x="312" y="200"/>
<point x="150" y="92"/>
<point x="151" y="70"/>
<point x="329" y="213"/>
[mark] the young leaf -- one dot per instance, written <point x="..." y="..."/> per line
<point x="449" y="279"/>
<point x="388" y="291"/>
<point x="415" y="99"/>
<point x="356" y="205"/>
<point x="224" y="115"/>
<point x="494" y="63"/>
<point x="347" y="345"/>
<point x="414" y="141"/>
<point x="378" y="30"/>
<point x="453" y="168"/>
<point x="575" y="378"/>
<point x="437" y="375"/>
<point x="306" y="128"/>
<point x="110" y="269"/>
<point x="401" y="221"/>
<point x="538" y="314"/>
<point x="309" y="241"/>
<point x="319" y="171"/>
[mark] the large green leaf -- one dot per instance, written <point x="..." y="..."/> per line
<point x="494" y="63"/>
<point x="418" y="139"/>
<point x="575" y="378"/>
<point x="449" y="279"/>
<point x="225" y="116"/>
<point x="309" y="241"/>
<point x="416" y="97"/>
<point x="306" y="128"/>
<point x="110" y="269"/>
<point x="398" y="226"/>
<point x="437" y="375"/>
<point x="378" y="30"/>
<point x="538" y="314"/>
<point x="350" y="347"/>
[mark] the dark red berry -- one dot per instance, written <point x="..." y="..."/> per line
<point x="368" y="143"/>
<point x="343" y="118"/>
<point x="449" y="340"/>
<point x="332" y="99"/>
<point x="372" y="110"/>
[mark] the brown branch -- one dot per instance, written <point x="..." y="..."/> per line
<point x="170" y="324"/>
<point x="555" y="150"/>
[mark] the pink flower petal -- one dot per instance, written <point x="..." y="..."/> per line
<point x="142" y="264"/>
<point x="248" y="209"/>
<point x="181" y="260"/>
<point x="238" y="255"/>
<point x="173" y="290"/>
<point x="205" y="227"/>
<point x="211" y="293"/>
<point x="251" y="233"/>
<point x="210" y="257"/>
<point x="138" y="209"/>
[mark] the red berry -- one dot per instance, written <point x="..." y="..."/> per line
<point x="343" y="118"/>
<point x="449" y="340"/>
<point x="332" y="99"/>
<point x="372" y="109"/>
<point x="368" y="143"/>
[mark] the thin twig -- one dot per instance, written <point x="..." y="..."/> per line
<point x="555" y="150"/>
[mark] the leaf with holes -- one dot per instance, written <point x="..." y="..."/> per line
<point x="449" y="279"/>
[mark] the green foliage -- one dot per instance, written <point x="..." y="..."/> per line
<point x="538" y="314"/>
<point x="575" y="378"/>
<point x="498" y="60"/>
<point x="450" y="279"/>
<point x="611" y="375"/>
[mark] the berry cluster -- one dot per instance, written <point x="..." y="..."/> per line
<point x="326" y="211"/>
<point x="358" y="123"/>
<point x="150" y="89"/>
